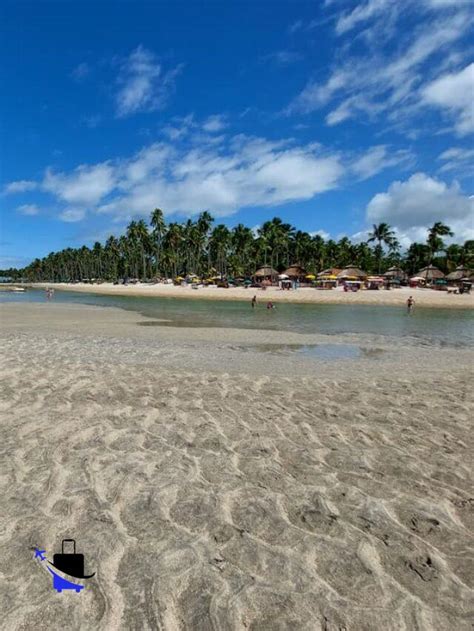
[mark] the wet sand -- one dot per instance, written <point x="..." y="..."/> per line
<point x="423" y="297"/>
<point x="216" y="485"/>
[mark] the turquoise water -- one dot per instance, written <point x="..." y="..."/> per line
<point x="453" y="327"/>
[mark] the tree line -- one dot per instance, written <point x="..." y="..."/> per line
<point x="161" y="249"/>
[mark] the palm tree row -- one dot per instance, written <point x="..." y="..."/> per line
<point x="198" y="247"/>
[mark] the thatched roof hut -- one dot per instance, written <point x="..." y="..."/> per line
<point x="430" y="273"/>
<point x="266" y="272"/>
<point x="396" y="273"/>
<point x="331" y="271"/>
<point x="295" y="272"/>
<point x="460" y="272"/>
<point x="352" y="272"/>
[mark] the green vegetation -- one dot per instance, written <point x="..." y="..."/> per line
<point x="198" y="247"/>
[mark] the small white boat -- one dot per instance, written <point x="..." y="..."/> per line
<point x="17" y="289"/>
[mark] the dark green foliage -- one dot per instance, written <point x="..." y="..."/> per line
<point x="196" y="247"/>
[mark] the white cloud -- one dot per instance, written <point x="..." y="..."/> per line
<point x="454" y="93"/>
<point x="144" y="86"/>
<point x="457" y="159"/>
<point x="382" y="10"/>
<point x="84" y="185"/>
<point x="283" y="57"/>
<point x="150" y="159"/>
<point x="218" y="174"/>
<point x="440" y="4"/>
<point x="456" y="153"/>
<point x="378" y="158"/>
<point x="71" y="215"/>
<point x="373" y="82"/>
<point x="245" y="172"/>
<point x="92" y="121"/>
<point x="361" y="13"/>
<point x="214" y="123"/>
<point x="28" y="209"/>
<point x="296" y="26"/>
<point x="20" y="186"/>
<point x="81" y="71"/>
<point x="321" y="233"/>
<point x="418" y="202"/>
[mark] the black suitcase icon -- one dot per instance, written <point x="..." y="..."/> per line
<point x="70" y="563"/>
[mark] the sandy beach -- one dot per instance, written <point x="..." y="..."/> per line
<point x="215" y="480"/>
<point x="423" y="297"/>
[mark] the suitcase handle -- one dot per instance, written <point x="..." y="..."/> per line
<point x="69" y="540"/>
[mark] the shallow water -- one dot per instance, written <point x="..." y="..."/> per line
<point x="440" y="327"/>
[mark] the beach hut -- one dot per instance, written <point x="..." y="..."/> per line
<point x="430" y="273"/>
<point x="375" y="282"/>
<point x="460" y="273"/>
<point x="395" y="273"/>
<point x="330" y="272"/>
<point x="351" y="273"/>
<point x="295" y="272"/>
<point x="327" y="279"/>
<point x="266" y="273"/>
<point x="352" y="278"/>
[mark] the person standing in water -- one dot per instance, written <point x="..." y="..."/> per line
<point x="410" y="304"/>
<point x="254" y="302"/>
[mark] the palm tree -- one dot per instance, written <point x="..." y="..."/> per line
<point x="318" y="254"/>
<point x="383" y="234"/>
<point x="204" y="222"/>
<point x="301" y="249"/>
<point x="172" y="244"/>
<point x="112" y="252"/>
<point x="434" y="241"/>
<point x="219" y="245"/>
<point x="158" y="224"/>
<point x="191" y="247"/>
<point x="418" y="256"/>
<point x="242" y="246"/>
<point x="345" y="252"/>
<point x="276" y="238"/>
<point x="467" y="253"/>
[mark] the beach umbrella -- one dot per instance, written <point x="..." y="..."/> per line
<point x="310" y="276"/>
<point x="283" y="276"/>
<point x="247" y="282"/>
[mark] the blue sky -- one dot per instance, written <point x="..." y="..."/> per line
<point x="332" y="115"/>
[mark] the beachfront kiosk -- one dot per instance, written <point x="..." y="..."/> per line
<point x="266" y="275"/>
<point x="427" y="277"/>
<point x="352" y="278"/>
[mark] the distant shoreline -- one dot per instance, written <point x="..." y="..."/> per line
<point x="395" y="297"/>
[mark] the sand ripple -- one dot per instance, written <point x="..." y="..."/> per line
<point x="211" y="501"/>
